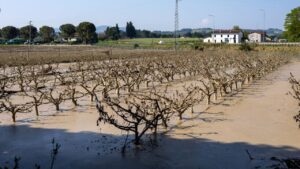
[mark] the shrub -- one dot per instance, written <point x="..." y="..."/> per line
<point x="245" y="47"/>
<point x="136" y="46"/>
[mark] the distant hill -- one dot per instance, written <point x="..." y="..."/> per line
<point x="100" y="29"/>
<point x="274" y="32"/>
<point x="184" y="31"/>
<point x="202" y="30"/>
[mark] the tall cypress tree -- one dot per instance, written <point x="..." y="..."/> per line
<point x="130" y="30"/>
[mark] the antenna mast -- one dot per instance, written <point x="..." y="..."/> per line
<point x="176" y="23"/>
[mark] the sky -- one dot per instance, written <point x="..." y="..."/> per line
<point x="148" y="14"/>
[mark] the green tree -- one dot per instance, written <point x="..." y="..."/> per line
<point x="67" y="31"/>
<point x="236" y="28"/>
<point x="245" y="36"/>
<point x="118" y="31"/>
<point x="143" y="34"/>
<point x="113" y="32"/>
<point x="130" y="30"/>
<point x="9" y="32"/>
<point x="292" y="25"/>
<point x="47" y="33"/>
<point x="87" y="32"/>
<point x="28" y="32"/>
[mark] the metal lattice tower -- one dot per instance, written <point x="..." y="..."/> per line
<point x="176" y="23"/>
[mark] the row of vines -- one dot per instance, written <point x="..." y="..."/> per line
<point x="134" y="94"/>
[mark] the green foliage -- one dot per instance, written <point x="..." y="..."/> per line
<point x="292" y="25"/>
<point x="67" y="30"/>
<point x="47" y="33"/>
<point x="198" y="46"/>
<point x="245" y="36"/>
<point x="143" y="34"/>
<point x="236" y="28"/>
<point x="149" y="43"/>
<point x="130" y="30"/>
<point x="9" y="32"/>
<point x="87" y="32"/>
<point x="245" y="47"/>
<point x="113" y="33"/>
<point x="28" y="32"/>
<point x="194" y="35"/>
<point x="135" y="46"/>
<point x="2" y="41"/>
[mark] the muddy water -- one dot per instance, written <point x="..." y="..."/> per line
<point x="242" y="131"/>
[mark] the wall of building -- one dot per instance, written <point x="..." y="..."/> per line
<point x="231" y="38"/>
<point x="255" y="37"/>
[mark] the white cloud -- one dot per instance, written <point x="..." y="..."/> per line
<point x="204" y="22"/>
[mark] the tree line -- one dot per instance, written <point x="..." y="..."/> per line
<point x="85" y="33"/>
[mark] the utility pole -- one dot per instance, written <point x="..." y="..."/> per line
<point x="176" y="24"/>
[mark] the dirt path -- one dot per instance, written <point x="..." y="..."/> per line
<point x="242" y="132"/>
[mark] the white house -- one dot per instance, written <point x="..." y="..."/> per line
<point x="257" y="37"/>
<point x="225" y="36"/>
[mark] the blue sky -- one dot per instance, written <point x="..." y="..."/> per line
<point x="147" y="14"/>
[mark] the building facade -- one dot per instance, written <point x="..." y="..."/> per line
<point x="226" y="36"/>
<point x="257" y="37"/>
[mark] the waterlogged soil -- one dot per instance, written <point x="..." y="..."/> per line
<point x="252" y="128"/>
